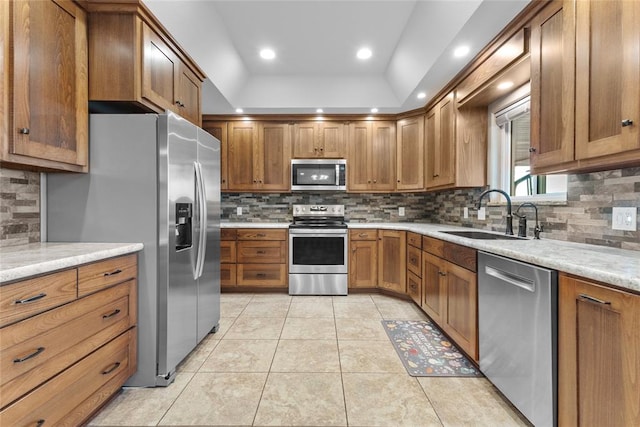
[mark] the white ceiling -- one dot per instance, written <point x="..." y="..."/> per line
<point x="316" y="44"/>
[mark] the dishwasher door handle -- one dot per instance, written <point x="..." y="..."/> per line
<point x="527" y="285"/>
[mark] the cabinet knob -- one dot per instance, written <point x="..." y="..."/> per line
<point x="627" y="122"/>
<point x="255" y="181"/>
<point x="24" y="131"/>
<point x="441" y="273"/>
<point x="398" y="180"/>
<point x="436" y="175"/>
<point x="321" y="149"/>
<point x="369" y="181"/>
<point x="179" y="103"/>
<point x="375" y="181"/>
<point x="532" y="149"/>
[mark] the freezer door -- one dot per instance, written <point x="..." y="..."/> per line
<point x="177" y="288"/>
<point x="209" y="281"/>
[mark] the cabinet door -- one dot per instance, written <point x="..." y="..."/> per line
<point x="274" y="157"/>
<point x="461" y="321"/>
<point x="359" y="166"/>
<point x="187" y="102"/>
<point x="441" y="146"/>
<point x="598" y="355"/>
<point x="392" y="254"/>
<point x="608" y="84"/>
<point x="160" y="68"/>
<point x="410" y="157"/>
<point x="433" y="294"/>
<point x="363" y="264"/>
<point x="552" y="84"/>
<point x="382" y="158"/>
<point x="219" y="130"/>
<point x="331" y="139"/>
<point x="243" y="138"/>
<point x="50" y="108"/>
<point x="305" y="140"/>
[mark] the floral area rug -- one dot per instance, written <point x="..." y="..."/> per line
<point x="426" y="352"/>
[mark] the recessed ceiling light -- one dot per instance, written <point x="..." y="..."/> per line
<point x="369" y="118"/>
<point x="505" y="85"/>
<point x="422" y="95"/>
<point x="364" y="53"/>
<point x="319" y="110"/>
<point x="267" y="54"/>
<point x="461" y="51"/>
<point x="239" y="110"/>
<point x="374" y="110"/>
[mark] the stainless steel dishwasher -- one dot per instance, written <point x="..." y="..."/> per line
<point x="517" y="327"/>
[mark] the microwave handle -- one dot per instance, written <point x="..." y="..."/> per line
<point x="337" y="174"/>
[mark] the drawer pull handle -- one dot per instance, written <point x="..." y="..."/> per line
<point x="31" y="299"/>
<point x="626" y="123"/>
<point x="441" y="273"/>
<point x="261" y="235"/>
<point x="113" y="313"/>
<point x="113" y="273"/>
<point x="261" y="275"/>
<point x="40" y="422"/>
<point x="362" y="235"/>
<point x="29" y="356"/>
<point x="261" y="252"/>
<point x="111" y="369"/>
<point x="593" y="299"/>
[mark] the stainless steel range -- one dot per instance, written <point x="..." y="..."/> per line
<point x="318" y="250"/>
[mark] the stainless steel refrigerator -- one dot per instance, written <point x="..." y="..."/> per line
<point x="153" y="179"/>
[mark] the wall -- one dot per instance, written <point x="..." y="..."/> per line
<point x="584" y="218"/>
<point x="19" y="207"/>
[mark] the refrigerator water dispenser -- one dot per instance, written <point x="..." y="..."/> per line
<point x="183" y="226"/>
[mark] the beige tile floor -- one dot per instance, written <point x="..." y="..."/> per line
<point x="279" y="360"/>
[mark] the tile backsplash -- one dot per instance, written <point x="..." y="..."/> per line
<point x="19" y="207"/>
<point x="584" y="218"/>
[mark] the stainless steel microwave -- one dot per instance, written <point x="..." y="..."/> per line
<point x="318" y="175"/>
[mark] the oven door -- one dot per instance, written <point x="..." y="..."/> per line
<point x="317" y="251"/>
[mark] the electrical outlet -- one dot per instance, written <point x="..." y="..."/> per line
<point x="482" y="214"/>
<point x="239" y="211"/>
<point x="465" y="212"/>
<point x="400" y="211"/>
<point x="624" y="219"/>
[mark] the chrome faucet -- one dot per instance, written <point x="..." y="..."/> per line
<point x="522" y="223"/>
<point x="509" y="229"/>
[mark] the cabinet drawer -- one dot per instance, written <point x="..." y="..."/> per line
<point x="99" y="275"/>
<point x="262" y="234"/>
<point x="227" y="274"/>
<point x="363" y="234"/>
<point x="414" y="239"/>
<point x="23" y="299"/>
<point x="50" y="403"/>
<point x="36" y="349"/>
<point x="262" y="274"/>
<point x="460" y="255"/>
<point x="268" y="252"/>
<point x="414" y="260"/>
<point x="228" y="251"/>
<point x="433" y="246"/>
<point x="228" y="234"/>
<point x="414" y="287"/>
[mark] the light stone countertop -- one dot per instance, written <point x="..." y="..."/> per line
<point x="254" y="224"/>
<point x="19" y="262"/>
<point x="614" y="266"/>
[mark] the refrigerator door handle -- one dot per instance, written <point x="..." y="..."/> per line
<point x="201" y="221"/>
<point x="202" y="251"/>
<point x="197" y="224"/>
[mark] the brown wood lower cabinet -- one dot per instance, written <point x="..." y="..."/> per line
<point x="61" y="363"/>
<point x="254" y="258"/>
<point x="363" y="258"/>
<point x="414" y="267"/>
<point x="450" y="292"/>
<point x="598" y="355"/>
<point x="392" y="255"/>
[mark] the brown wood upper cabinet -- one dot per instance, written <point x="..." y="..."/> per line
<point x="319" y="139"/>
<point x="604" y="39"/>
<point x="372" y="150"/>
<point x="410" y="154"/>
<point x="219" y="130"/>
<point x="456" y="146"/>
<point x="44" y="122"/>
<point x="259" y="156"/>
<point x="598" y="355"/>
<point x="135" y="63"/>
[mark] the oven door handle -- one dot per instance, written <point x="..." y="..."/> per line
<point x="315" y="233"/>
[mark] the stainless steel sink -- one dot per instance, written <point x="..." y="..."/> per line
<point x="481" y="235"/>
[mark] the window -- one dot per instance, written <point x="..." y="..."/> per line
<point x="510" y="137"/>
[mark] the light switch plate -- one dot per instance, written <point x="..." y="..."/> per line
<point x="481" y="214"/>
<point x="400" y="211"/>
<point x="465" y="212"/>
<point x="624" y="219"/>
<point x="239" y="210"/>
